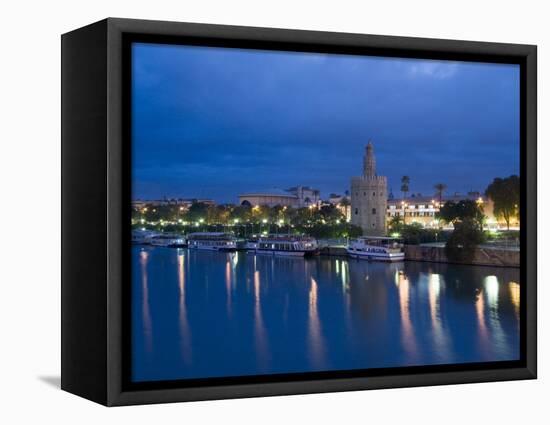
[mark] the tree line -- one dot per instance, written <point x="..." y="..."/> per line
<point x="326" y="221"/>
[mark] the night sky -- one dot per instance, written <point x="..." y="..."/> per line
<point x="214" y="122"/>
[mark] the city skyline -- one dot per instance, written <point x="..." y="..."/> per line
<point x="214" y="123"/>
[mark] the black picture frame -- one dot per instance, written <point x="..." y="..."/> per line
<point x="96" y="198"/>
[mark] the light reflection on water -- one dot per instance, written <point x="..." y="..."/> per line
<point x="185" y="331"/>
<point x="205" y="314"/>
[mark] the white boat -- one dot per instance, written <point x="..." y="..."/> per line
<point x="169" y="241"/>
<point x="212" y="241"/>
<point x="292" y="246"/>
<point x="143" y="237"/>
<point x="251" y="245"/>
<point x="376" y="248"/>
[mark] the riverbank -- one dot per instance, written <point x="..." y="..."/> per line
<point x="483" y="256"/>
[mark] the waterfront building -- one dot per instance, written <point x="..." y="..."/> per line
<point x="343" y="203"/>
<point x="369" y="197"/>
<point x="306" y="195"/>
<point x="269" y="198"/>
<point x="180" y="202"/>
<point x="423" y="209"/>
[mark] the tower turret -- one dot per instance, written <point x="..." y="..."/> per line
<point x="369" y="196"/>
<point x="369" y="162"/>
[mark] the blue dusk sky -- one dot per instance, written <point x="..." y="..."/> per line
<point x="215" y="122"/>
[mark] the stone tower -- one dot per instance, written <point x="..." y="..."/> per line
<point x="369" y="197"/>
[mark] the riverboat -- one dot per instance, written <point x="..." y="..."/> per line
<point x="143" y="237"/>
<point x="376" y="248"/>
<point x="168" y="240"/>
<point x="251" y="244"/>
<point x="212" y="241"/>
<point x="292" y="246"/>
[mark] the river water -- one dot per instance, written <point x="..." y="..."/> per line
<point x="201" y="314"/>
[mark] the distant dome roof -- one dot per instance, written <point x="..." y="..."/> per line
<point x="269" y="192"/>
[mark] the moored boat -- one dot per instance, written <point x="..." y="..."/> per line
<point x="143" y="237"/>
<point x="212" y="241"/>
<point x="169" y="240"/>
<point x="251" y="244"/>
<point x="377" y="248"/>
<point x="286" y="245"/>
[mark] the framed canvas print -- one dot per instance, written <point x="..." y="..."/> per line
<point x="272" y="211"/>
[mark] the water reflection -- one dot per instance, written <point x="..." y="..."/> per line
<point x="228" y="285"/>
<point x="218" y="314"/>
<point x="260" y="332"/>
<point x="407" y="331"/>
<point x="514" y="296"/>
<point x="145" y="307"/>
<point x="498" y="338"/>
<point x="185" y="331"/>
<point x="440" y="337"/>
<point x="483" y="333"/>
<point x="316" y="344"/>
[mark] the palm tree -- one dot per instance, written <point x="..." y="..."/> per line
<point x="440" y="188"/>
<point x="396" y="223"/>
<point x="405" y="180"/>
<point x="345" y="203"/>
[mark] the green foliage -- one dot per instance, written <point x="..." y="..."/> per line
<point x="461" y="245"/>
<point x="405" y="181"/>
<point x="504" y="193"/>
<point x="245" y="220"/>
<point x="439" y="189"/>
<point x="455" y="212"/>
<point x="395" y="224"/>
<point x="332" y="231"/>
<point x="467" y="218"/>
<point x="415" y="234"/>
<point x="196" y="212"/>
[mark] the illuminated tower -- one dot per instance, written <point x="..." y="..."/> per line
<point x="369" y="197"/>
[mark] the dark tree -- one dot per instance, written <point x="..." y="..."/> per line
<point x="405" y="181"/>
<point x="505" y="196"/>
<point x="439" y="189"/>
<point x="197" y="211"/>
<point x="462" y="243"/>
<point x="467" y="218"/>
<point x="456" y="212"/>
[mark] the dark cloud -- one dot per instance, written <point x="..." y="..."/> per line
<point x="215" y="122"/>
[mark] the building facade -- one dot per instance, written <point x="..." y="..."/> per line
<point x="306" y="195"/>
<point x="270" y="198"/>
<point x="369" y="197"/>
<point x="343" y="203"/>
<point x="423" y="209"/>
<point x="180" y="202"/>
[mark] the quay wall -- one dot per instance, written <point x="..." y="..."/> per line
<point x="333" y="250"/>
<point x="482" y="256"/>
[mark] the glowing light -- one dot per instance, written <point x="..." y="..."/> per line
<point x="201" y="220"/>
<point x="491" y="288"/>
<point x="514" y="294"/>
